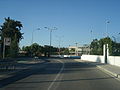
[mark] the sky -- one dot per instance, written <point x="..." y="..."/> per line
<point x="77" y="21"/>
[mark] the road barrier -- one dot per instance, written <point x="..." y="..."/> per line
<point x="113" y="60"/>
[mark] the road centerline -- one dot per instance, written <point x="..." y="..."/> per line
<point x="62" y="68"/>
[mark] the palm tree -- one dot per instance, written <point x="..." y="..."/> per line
<point x="11" y="29"/>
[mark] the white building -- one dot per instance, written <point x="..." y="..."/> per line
<point x="78" y="51"/>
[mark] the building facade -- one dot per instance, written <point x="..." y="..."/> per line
<point x="78" y="51"/>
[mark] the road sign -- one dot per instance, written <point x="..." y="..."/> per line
<point x="7" y="41"/>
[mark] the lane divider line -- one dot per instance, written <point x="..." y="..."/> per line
<point x="62" y="68"/>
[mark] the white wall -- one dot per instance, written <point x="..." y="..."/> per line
<point x="114" y="60"/>
<point x="61" y="56"/>
<point x="93" y="58"/>
<point x="111" y="60"/>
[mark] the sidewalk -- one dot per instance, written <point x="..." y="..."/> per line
<point x="107" y="68"/>
<point x="21" y="65"/>
<point x="110" y="69"/>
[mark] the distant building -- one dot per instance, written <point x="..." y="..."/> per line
<point x="22" y="53"/>
<point x="78" y="51"/>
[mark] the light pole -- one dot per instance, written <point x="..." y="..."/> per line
<point x="107" y="22"/>
<point x="91" y="33"/>
<point x="114" y="39"/>
<point x="76" y="50"/>
<point x="119" y="37"/>
<point x="59" y="38"/>
<point x="33" y="34"/>
<point x="50" y="29"/>
<point x="0" y="43"/>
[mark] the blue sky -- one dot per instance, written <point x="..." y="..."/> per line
<point x="74" y="19"/>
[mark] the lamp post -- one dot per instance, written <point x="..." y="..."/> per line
<point x="33" y="35"/>
<point x="91" y="32"/>
<point x="107" y="22"/>
<point x="33" y="38"/>
<point x="0" y="43"/>
<point x="59" y="37"/>
<point x="76" y="50"/>
<point x="114" y="39"/>
<point x="50" y="29"/>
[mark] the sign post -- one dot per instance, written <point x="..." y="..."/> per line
<point x="7" y="42"/>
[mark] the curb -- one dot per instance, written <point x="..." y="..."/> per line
<point x="107" y="71"/>
<point x="116" y="76"/>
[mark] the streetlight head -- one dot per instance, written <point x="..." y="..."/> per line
<point x="45" y="27"/>
<point x="54" y="28"/>
<point x="108" y="21"/>
<point x="38" y="28"/>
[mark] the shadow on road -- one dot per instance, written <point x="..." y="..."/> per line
<point x="70" y="80"/>
<point x="52" y="67"/>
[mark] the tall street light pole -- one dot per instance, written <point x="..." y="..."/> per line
<point x="50" y="29"/>
<point x="118" y="37"/>
<point x="76" y="51"/>
<point x="59" y="38"/>
<point x="107" y="22"/>
<point x="33" y="38"/>
<point x="33" y="35"/>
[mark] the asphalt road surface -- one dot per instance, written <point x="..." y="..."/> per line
<point x="63" y="74"/>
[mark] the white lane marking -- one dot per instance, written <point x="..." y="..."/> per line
<point x="56" y="75"/>
<point x="108" y="73"/>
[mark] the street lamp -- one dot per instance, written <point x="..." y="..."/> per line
<point x="33" y="34"/>
<point x="114" y="38"/>
<point x="107" y="22"/>
<point x="76" y="50"/>
<point x="50" y="29"/>
<point x="59" y="37"/>
<point x="0" y="43"/>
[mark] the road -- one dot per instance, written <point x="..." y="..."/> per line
<point x="63" y="74"/>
